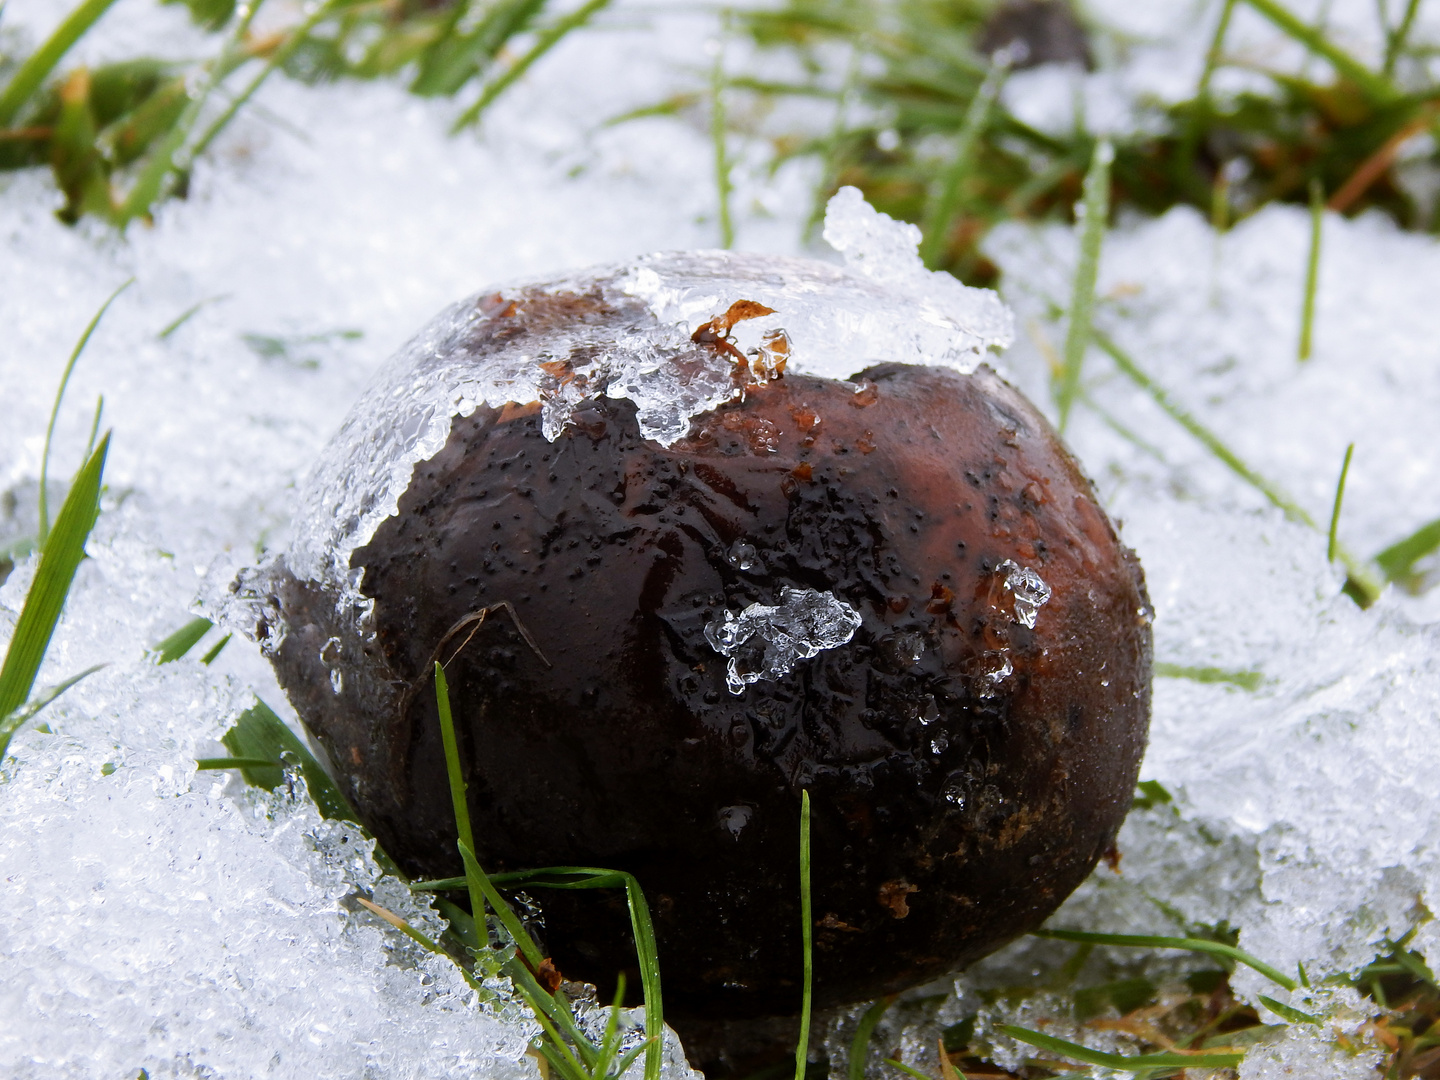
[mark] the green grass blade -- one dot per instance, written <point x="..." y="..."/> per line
<point x="946" y="202"/>
<point x="1288" y="1012"/>
<point x="482" y="888"/>
<point x="181" y="641"/>
<point x="457" y="792"/>
<point x="1339" y="499"/>
<point x="718" y="124"/>
<point x="480" y="883"/>
<point x="807" y="932"/>
<point x="624" y="1062"/>
<point x="455" y="58"/>
<point x="1096" y="205"/>
<point x="41" y="63"/>
<point x="19" y="717"/>
<point x="211" y="764"/>
<point x="1150" y="941"/>
<point x="186" y="315"/>
<point x="274" y="60"/>
<point x="162" y="161"/>
<point x="1375" y="86"/>
<point x="1212" y="55"/>
<point x="448" y="884"/>
<point x="1398" y="560"/>
<point x="544" y="42"/>
<point x="610" y="1041"/>
<point x="260" y="734"/>
<point x="1138" y="1063"/>
<point x="44" y="529"/>
<point x="59" y="560"/>
<point x="860" y="1045"/>
<point x="1312" y="270"/>
<point x="94" y="428"/>
<point x="216" y="649"/>
<point x="915" y="1074"/>
<point x="1395" y="39"/>
<point x="1365" y="588"/>
<point x="1245" y="680"/>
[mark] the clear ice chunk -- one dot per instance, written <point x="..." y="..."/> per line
<point x="805" y="622"/>
<point x="1028" y="589"/>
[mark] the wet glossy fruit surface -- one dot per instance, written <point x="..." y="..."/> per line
<point x="970" y="748"/>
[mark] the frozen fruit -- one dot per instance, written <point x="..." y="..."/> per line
<point x="896" y="591"/>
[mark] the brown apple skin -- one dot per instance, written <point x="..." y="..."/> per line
<point x="952" y="811"/>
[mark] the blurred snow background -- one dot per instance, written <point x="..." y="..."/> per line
<point x="159" y="919"/>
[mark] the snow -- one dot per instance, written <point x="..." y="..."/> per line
<point x="165" y="919"/>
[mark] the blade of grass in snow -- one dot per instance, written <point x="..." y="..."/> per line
<point x="44" y="527"/>
<point x="1288" y="1012"/>
<point x="544" y="42"/>
<point x="1339" y="499"/>
<point x="860" y="1045"/>
<point x="1312" y="269"/>
<point x="1096" y="208"/>
<point x="19" y="717"/>
<point x="42" y="61"/>
<point x="1149" y="941"/>
<point x="915" y="1074"/>
<point x="181" y="641"/>
<point x="210" y="764"/>
<point x="209" y="657"/>
<point x="1376" y="87"/>
<point x="1246" y="680"/>
<point x="261" y="735"/>
<point x="719" y="149"/>
<point x="186" y="315"/>
<point x="59" y="560"/>
<point x="946" y="200"/>
<point x="807" y="931"/>
<point x="1366" y="589"/>
<point x="1398" y="560"/>
<point x="1138" y="1063"/>
<point x="609" y="1041"/>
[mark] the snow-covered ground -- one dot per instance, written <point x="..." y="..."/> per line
<point x="159" y="919"/>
